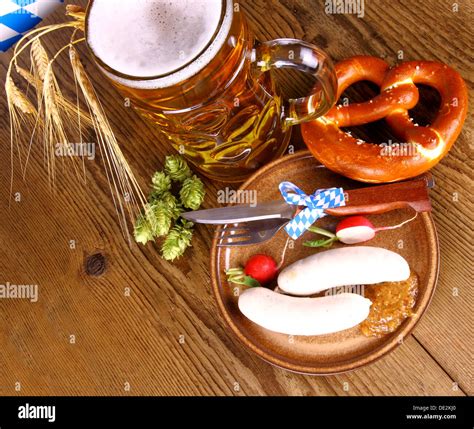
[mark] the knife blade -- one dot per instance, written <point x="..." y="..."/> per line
<point x="368" y="200"/>
<point x="242" y="213"/>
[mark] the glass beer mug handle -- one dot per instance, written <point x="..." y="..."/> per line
<point x="303" y="56"/>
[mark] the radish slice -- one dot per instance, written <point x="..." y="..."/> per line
<point x="355" y="229"/>
<point x="352" y="230"/>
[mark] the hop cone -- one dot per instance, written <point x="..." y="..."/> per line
<point x="160" y="218"/>
<point x="174" y="207"/>
<point x="177" y="168"/>
<point x="177" y="241"/>
<point x="161" y="183"/>
<point x="192" y="193"/>
<point x="143" y="231"/>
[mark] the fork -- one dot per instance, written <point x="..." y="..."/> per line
<point x="244" y="234"/>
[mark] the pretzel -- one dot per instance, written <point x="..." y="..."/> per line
<point x="424" y="146"/>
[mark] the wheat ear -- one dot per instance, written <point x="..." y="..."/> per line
<point x="122" y="181"/>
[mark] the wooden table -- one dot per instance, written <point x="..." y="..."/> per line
<point x="87" y="335"/>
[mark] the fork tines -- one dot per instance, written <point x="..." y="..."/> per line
<point x="246" y="233"/>
<point x="235" y="234"/>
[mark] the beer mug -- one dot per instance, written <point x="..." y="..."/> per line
<point x="193" y="68"/>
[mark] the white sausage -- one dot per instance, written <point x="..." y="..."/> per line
<point x="303" y="316"/>
<point x="355" y="265"/>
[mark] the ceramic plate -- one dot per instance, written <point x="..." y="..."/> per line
<point x="346" y="350"/>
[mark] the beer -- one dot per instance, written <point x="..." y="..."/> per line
<point x="190" y="66"/>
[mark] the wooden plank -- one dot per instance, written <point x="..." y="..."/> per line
<point x="166" y="337"/>
<point x="446" y="330"/>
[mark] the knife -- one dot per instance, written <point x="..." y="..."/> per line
<point x="369" y="200"/>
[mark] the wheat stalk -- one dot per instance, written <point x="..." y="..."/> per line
<point x="22" y="115"/>
<point x="76" y="12"/>
<point x="121" y="178"/>
<point x="72" y="110"/>
<point x="16" y="98"/>
<point x="25" y="74"/>
<point x="56" y="115"/>
<point x="39" y="58"/>
<point x="54" y="130"/>
<point x="59" y="112"/>
<point x="21" y="111"/>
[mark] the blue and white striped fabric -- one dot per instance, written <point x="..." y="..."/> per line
<point x="19" y="16"/>
<point x="315" y="205"/>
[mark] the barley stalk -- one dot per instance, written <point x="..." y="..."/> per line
<point x="72" y="110"/>
<point x="56" y="114"/>
<point x="121" y="178"/>
<point x="17" y="98"/>
<point x="76" y="12"/>
<point x="39" y="58"/>
<point x="25" y="74"/>
<point x="20" y="109"/>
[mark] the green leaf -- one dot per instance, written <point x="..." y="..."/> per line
<point x="237" y="275"/>
<point x="321" y="231"/>
<point x="250" y="281"/>
<point x="234" y="271"/>
<point x="320" y="243"/>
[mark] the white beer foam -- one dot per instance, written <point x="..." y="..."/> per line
<point x="146" y="38"/>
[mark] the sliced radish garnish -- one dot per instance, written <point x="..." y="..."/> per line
<point x="355" y="234"/>
<point x="355" y="229"/>
<point x="351" y="230"/>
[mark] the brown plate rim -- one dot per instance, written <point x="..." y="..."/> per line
<point x="366" y="359"/>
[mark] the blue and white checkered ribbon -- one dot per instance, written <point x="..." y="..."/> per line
<point x="315" y="205"/>
<point x="17" y="17"/>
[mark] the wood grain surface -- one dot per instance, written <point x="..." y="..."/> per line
<point x="115" y="319"/>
